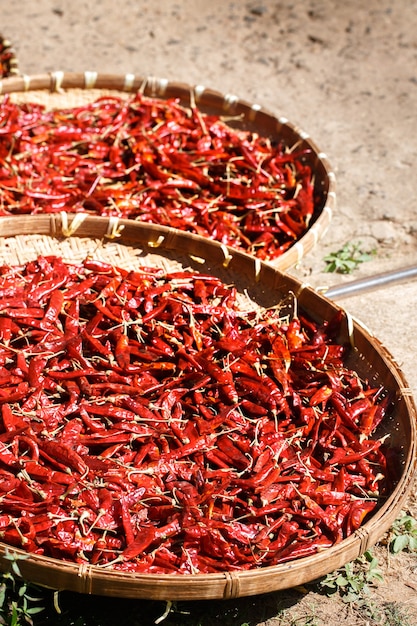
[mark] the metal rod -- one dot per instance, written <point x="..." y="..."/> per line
<point x="372" y="282"/>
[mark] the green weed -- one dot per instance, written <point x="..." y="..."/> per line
<point x="16" y="602"/>
<point x="353" y="581"/>
<point x="403" y="534"/>
<point x="346" y="259"/>
<point x="394" y="615"/>
<point x="353" y="584"/>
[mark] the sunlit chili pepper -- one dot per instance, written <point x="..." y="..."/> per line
<point x="241" y="442"/>
<point x="180" y="167"/>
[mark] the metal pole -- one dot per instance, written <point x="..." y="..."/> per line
<point x="372" y="282"/>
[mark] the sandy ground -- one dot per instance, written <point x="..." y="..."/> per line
<point x="346" y="72"/>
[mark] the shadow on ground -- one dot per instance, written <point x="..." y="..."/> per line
<point x="79" y="610"/>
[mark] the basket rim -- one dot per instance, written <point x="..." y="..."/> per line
<point x="89" y="579"/>
<point x="8" y="57"/>
<point x="60" y="82"/>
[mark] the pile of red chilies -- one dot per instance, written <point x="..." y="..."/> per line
<point x="155" y="161"/>
<point x="148" y="424"/>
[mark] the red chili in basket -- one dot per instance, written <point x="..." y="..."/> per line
<point x="222" y="440"/>
<point x="160" y="162"/>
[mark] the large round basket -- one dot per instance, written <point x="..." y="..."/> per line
<point x="128" y="244"/>
<point x="67" y="90"/>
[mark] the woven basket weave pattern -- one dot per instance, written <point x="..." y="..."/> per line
<point x="150" y="244"/>
<point x="129" y="244"/>
<point x="64" y="90"/>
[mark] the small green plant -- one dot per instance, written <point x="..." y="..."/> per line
<point x="346" y="259"/>
<point x="15" y="595"/>
<point x="394" y="615"/>
<point x="286" y="619"/>
<point x="353" y="581"/>
<point x="403" y="534"/>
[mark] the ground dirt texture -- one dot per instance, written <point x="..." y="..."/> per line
<point x="346" y="72"/>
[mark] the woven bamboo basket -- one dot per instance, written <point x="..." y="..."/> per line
<point x="66" y="90"/>
<point x="9" y="64"/>
<point x="128" y="244"/>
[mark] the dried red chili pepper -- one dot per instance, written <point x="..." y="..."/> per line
<point x="129" y="158"/>
<point x="240" y="443"/>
